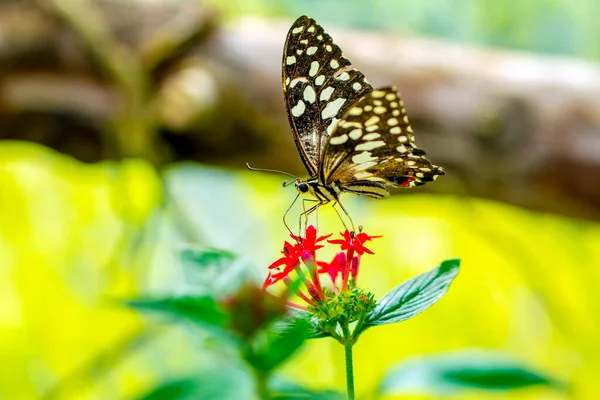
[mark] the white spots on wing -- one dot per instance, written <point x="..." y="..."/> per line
<point x="377" y="102"/>
<point x="356" y="86"/>
<point x="419" y="175"/>
<point x="319" y="80"/>
<point x="392" y="121"/>
<point x="409" y="129"/>
<point x="402" y="103"/>
<point x="311" y="29"/>
<point x="296" y="81"/>
<point x="298" y="109"/>
<point x="402" y="149"/>
<point x="370" y="145"/>
<point x="371" y="136"/>
<point x="287" y="81"/>
<point x="332" y="108"/>
<point x="328" y="48"/>
<point x="344" y="76"/>
<point x="290" y="60"/>
<point x="326" y="93"/>
<point x="320" y="37"/>
<point x="390" y="96"/>
<point x="405" y="119"/>
<point x="355" y="111"/>
<point x="372" y="128"/>
<point x="350" y="124"/>
<point x="299" y="51"/>
<point x="396" y="130"/>
<point x="334" y="64"/>
<point x="379" y="110"/>
<point x="304" y="41"/>
<point x="362" y="175"/>
<point x="393" y="104"/>
<point x="311" y="50"/>
<point x="363" y="157"/>
<point x="402" y="139"/>
<point x="395" y="113"/>
<point x="355" y="134"/>
<point x="411" y="162"/>
<point x="297" y="30"/>
<point x="314" y="68"/>
<point x="339" y="139"/>
<point x="309" y="94"/>
<point x="377" y="94"/>
<point x="371" y="121"/>
<point x="368" y="108"/>
<point x="332" y="125"/>
<point x="425" y="169"/>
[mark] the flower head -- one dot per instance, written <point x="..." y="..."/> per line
<point x="301" y="258"/>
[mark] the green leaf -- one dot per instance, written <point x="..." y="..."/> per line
<point x="207" y="258"/>
<point x="216" y="384"/>
<point x="183" y="389"/>
<point x="282" y="389"/>
<point x="452" y="373"/>
<point x="202" y="310"/>
<point x="413" y="296"/>
<point x="313" y="331"/>
<point x="212" y="271"/>
<point x="276" y="346"/>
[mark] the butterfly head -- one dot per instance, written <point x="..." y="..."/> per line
<point x="302" y="187"/>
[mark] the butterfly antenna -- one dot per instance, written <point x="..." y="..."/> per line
<point x="272" y="170"/>
<point x="288" y="183"/>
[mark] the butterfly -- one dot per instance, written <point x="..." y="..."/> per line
<point x="351" y="138"/>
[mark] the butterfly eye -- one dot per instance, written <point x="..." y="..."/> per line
<point x="303" y="187"/>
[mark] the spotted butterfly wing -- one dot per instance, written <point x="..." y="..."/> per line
<point x="319" y="87"/>
<point x="373" y="148"/>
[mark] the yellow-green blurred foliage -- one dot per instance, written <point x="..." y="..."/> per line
<point x="75" y="238"/>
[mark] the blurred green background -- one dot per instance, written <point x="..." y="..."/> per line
<point x="121" y="145"/>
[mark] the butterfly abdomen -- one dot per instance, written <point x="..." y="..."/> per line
<point x="366" y="188"/>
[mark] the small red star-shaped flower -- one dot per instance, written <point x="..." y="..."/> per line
<point x="354" y="241"/>
<point x="336" y="267"/>
<point x="290" y="261"/>
<point x="309" y="242"/>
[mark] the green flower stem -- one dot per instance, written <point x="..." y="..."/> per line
<point x="358" y="328"/>
<point x="262" y="387"/>
<point x="349" y="371"/>
<point x="348" y="343"/>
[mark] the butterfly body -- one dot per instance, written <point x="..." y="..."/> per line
<point x="351" y="138"/>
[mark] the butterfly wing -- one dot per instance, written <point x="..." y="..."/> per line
<point x="372" y="148"/>
<point x="318" y="85"/>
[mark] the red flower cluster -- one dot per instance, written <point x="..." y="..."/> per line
<point x="345" y="264"/>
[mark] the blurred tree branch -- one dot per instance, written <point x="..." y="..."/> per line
<point x="134" y="125"/>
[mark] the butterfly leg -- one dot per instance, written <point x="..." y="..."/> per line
<point x="347" y="215"/>
<point x="288" y="210"/>
<point x="306" y="212"/>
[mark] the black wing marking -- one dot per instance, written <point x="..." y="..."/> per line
<point x="373" y="148"/>
<point x="319" y="87"/>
